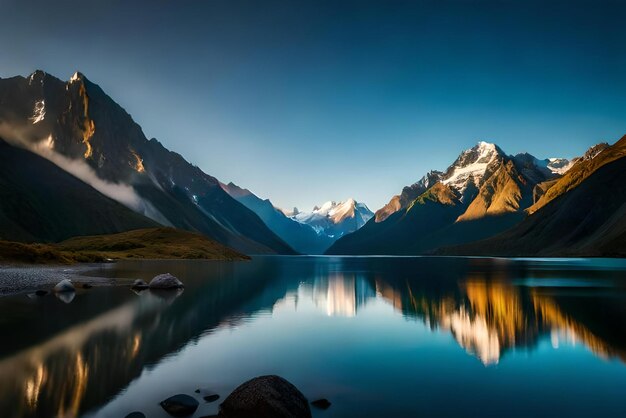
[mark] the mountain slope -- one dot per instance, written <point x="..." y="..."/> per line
<point x="82" y="124"/>
<point x="482" y="193"/>
<point x="593" y="159"/>
<point x="586" y="219"/>
<point x="300" y="237"/>
<point x="408" y="195"/>
<point x="41" y="202"/>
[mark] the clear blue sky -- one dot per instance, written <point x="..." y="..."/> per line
<point x="304" y="102"/>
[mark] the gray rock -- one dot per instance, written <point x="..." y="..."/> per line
<point x="211" y="398"/>
<point x="180" y="405"/>
<point x="64" y="285"/>
<point x="208" y="395"/>
<point x="266" y="397"/>
<point x="165" y="281"/>
<point x="65" y="297"/>
<point x="139" y="284"/>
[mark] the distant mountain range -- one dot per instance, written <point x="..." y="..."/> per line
<point x="73" y="162"/>
<point x="307" y="233"/>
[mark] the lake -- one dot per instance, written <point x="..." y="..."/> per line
<point x="377" y="336"/>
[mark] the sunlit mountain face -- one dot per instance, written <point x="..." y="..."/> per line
<point x="87" y="356"/>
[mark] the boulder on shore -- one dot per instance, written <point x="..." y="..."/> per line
<point x="165" y="281"/>
<point x="64" y="285"/>
<point x="266" y="397"/>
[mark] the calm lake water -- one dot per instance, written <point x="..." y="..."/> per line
<point x="378" y="337"/>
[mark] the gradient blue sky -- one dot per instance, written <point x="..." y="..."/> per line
<point x="304" y="102"/>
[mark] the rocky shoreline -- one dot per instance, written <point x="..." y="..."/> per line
<point x="24" y="278"/>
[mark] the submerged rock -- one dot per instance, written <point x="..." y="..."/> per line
<point x="65" y="297"/>
<point x="139" y="284"/>
<point x="87" y="286"/>
<point x="64" y="285"/>
<point x="266" y="397"/>
<point x="136" y="414"/>
<point x="321" y="403"/>
<point x="211" y="398"/>
<point x="165" y="281"/>
<point x="208" y="395"/>
<point x="180" y="405"/>
<point x="41" y="292"/>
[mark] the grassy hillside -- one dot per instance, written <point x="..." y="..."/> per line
<point x="152" y="243"/>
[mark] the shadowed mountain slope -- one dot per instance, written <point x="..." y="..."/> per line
<point x="78" y="121"/>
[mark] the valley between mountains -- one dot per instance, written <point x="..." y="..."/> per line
<point x="73" y="163"/>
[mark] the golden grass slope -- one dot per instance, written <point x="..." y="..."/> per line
<point x="151" y="243"/>
<point x="579" y="172"/>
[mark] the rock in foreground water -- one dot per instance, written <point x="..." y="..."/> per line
<point x="266" y="397"/>
<point x="139" y="284"/>
<point x="211" y="398"/>
<point x="180" y="405"/>
<point x="165" y="281"/>
<point x="321" y="403"/>
<point x="136" y="414"/>
<point x="64" y="286"/>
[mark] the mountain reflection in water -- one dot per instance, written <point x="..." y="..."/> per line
<point x="67" y="359"/>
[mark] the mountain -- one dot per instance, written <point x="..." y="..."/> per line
<point x="582" y="214"/>
<point x="301" y="237"/>
<point x="333" y="220"/>
<point x="483" y="192"/>
<point x="82" y="130"/>
<point x="581" y="168"/>
<point x="408" y="195"/>
<point x="40" y="202"/>
<point x="307" y="232"/>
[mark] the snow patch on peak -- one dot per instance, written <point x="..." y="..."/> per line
<point x="331" y="213"/>
<point x="76" y="77"/>
<point x="559" y="165"/>
<point x="486" y="145"/>
<point x="549" y="166"/>
<point x="39" y="112"/>
<point x="37" y="74"/>
<point x="471" y="165"/>
<point x="429" y="180"/>
<point x="594" y="151"/>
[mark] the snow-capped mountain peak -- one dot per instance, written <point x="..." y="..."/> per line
<point x="559" y="165"/>
<point x="335" y="211"/>
<point x="471" y="164"/>
<point x="332" y="218"/>
<point x="77" y="76"/>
